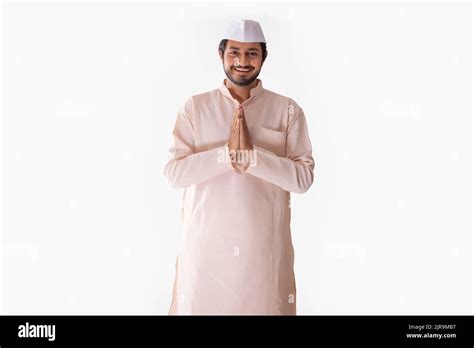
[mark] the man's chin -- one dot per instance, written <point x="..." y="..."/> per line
<point x="242" y="81"/>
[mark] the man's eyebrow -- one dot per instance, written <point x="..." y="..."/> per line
<point x="238" y="49"/>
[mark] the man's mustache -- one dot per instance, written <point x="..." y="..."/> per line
<point x="243" y="67"/>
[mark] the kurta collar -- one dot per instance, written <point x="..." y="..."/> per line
<point x="258" y="89"/>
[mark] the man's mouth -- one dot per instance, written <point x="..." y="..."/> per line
<point x="242" y="70"/>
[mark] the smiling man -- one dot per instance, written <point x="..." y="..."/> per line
<point x="238" y="152"/>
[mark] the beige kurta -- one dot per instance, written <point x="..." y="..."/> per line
<point x="236" y="253"/>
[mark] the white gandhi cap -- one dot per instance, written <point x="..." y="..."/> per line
<point x="244" y="30"/>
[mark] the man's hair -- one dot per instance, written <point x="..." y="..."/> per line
<point x="263" y="45"/>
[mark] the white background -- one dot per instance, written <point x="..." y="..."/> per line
<point x="90" y="93"/>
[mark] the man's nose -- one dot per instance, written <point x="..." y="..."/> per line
<point x="243" y="60"/>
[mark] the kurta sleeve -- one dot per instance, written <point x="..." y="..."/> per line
<point x="294" y="172"/>
<point x="187" y="167"/>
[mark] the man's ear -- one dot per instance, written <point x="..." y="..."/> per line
<point x="264" y="59"/>
<point x="221" y="56"/>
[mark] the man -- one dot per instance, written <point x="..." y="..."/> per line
<point x="238" y="152"/>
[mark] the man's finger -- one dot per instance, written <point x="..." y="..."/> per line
<point x="241" y="135"/>
<point x="236" y="117"/>
<point x="246" y="135"/>
<point x="233" y="133"/>
<point x="238" y="128"/>
<point x="236" y="135"/>
<point x="237" y="112"/>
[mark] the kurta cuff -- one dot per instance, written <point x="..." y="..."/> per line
<point x="290" y="175"/>
<point x="198" y="167"/>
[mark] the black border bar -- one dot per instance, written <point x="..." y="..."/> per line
<point x="348" y="330"/>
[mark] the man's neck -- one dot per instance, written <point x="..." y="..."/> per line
<point x="241" y="93"/>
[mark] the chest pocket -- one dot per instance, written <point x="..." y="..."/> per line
<point x="269" y="139"/>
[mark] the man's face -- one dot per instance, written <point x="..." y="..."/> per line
<point x="242" y="61"/>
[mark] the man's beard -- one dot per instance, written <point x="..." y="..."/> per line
<point x="242" y="81"/>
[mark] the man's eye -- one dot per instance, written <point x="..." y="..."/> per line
<point x="233" y="52"/>
<point x="253" y="54"/>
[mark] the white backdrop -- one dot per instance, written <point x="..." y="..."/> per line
<point x="90" y="93"/>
